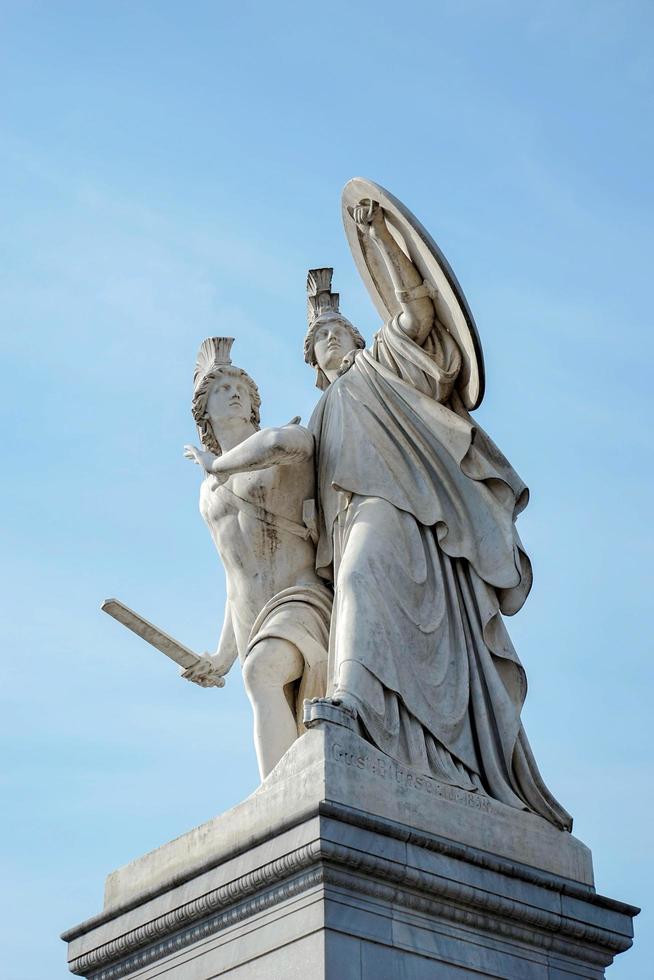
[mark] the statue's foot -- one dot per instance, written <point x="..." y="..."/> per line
<point x="339" y="709"/>
<point x="340" y="699"/>
<point x="345" y="701"/>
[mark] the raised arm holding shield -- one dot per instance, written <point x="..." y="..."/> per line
<point x="416" y="519"/>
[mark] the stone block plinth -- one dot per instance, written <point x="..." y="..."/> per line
<point x="347" y="866"/>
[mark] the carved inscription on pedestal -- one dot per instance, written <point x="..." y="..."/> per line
<point x="386" y="769"/>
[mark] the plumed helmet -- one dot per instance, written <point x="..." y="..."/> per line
<point x="213" y="360"/>
<point x="322" y="306"/>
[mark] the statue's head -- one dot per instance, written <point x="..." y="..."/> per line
<point x="222" y="393"/>
<point x="330" y="336"/>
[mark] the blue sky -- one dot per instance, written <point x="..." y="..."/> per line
<point x="170" y="170"/>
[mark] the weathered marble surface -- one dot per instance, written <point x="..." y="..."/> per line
<point x="330" y="762"/>
<point x="371" y="558"/>
<point x="416" y="521"/>
<point x="402" y="829"/>
<point x="342" y="864"/>
<point x="257" y="483"/>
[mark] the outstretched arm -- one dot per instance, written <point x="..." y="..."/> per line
<point x="418" y="314"/>
<point x="268" y="447"/>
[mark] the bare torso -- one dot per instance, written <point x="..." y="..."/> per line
<point x="260" y="558"/>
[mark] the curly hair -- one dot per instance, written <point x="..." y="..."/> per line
<point x="322" y="381"/>
<point x="207" y="435"/>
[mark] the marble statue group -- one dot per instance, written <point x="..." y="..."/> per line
<point x="401" y="826"/>
<point x="371" y="557"/>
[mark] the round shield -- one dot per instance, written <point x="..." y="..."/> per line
<point x="416" y="242"/>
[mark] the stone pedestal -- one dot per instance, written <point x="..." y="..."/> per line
<point x="344" y="865"/>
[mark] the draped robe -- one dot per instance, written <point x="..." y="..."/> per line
<point x="416" y="523"/>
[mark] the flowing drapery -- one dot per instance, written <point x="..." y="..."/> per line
<point x="417" y="510"/>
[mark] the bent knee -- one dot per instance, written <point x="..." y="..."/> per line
<point x="271" y="663"/>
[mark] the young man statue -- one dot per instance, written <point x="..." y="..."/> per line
<point x="257" y="489"/>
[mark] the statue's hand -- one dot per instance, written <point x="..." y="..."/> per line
<point x="369" y="216"/>
<point x="205" y="672"/>
<point x="203" y="459"/>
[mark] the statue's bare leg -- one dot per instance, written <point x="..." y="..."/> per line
<point x="269" y="667"/>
